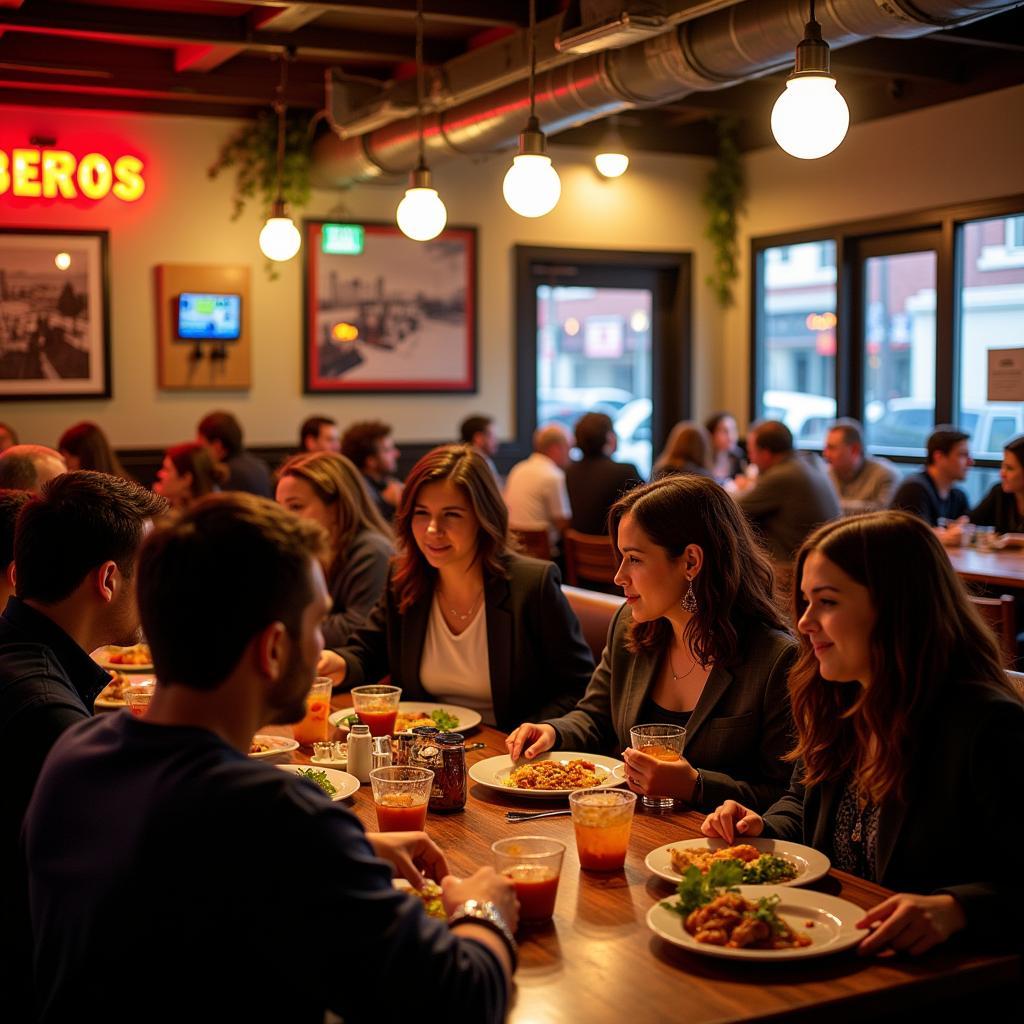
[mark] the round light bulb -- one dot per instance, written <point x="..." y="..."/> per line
<point x="62" y="260"/>
<point x="532" y="186"/>
<point x="811" y="117"/>
<point x="421" y="214"/>
<point x="280" y="239"/>
<point x="611" y="165"/>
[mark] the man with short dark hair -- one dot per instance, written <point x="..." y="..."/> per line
<point x="864" y="483"/>
<point x="791" y="496"/>
<point x="371" y="447"/>
<point x="205" y="843"/>
<point x="596" y="482"/>
<point x="931" y="494"/>
<point x="27" y="467"/>
<point x="75" y="550"/>
<point x="478" y="431"/>
<point x="319" y="434"/>
<point x="222" y="434"/>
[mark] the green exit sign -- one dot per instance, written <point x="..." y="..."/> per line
<point x="343" y="239"/>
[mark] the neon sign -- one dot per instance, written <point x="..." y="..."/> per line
<point x="34" y="173"/>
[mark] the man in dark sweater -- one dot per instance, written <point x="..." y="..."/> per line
<point x="932" y="494"/>
<point x="74" y="553"/>
<point x="596" y="482"/>
<point x="222" y="434"/>
<point x="159" y="838"/>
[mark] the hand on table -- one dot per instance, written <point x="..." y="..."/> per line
<point x="409" y="853"/>
<point x="910" y="923"/>
<point x="485" y="884"/>
<point x="534" y="738"/>
<point x="650" y="777"/>
<point x="731" y="821"/>
<point x="332" y="665"/>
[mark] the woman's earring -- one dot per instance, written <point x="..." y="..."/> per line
<point x="689" y="601"/>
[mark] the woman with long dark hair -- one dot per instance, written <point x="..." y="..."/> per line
<point x="727" y="458"/>
<point x="698" y="643"/>
<point x="908" y="736"/>
<point x="464" y="619"/>
<point x="1003" y="506"/>
<point x="187" y="474"/>
<point x="85" y="446"/>
<point x="687" y="450"/>
<point x="327" y="488"/>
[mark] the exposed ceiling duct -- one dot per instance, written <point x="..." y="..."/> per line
<point x="714" y="51"/>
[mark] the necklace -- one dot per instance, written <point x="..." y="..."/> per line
<point x="682" y="675"/>
<point x="454" y="612"/>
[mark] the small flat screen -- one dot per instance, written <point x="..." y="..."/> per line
<point x="204" y="315"/>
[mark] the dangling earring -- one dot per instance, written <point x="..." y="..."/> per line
<point x="689" y="601"/>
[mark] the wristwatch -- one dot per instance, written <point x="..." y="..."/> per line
<point x="486" y="913"/>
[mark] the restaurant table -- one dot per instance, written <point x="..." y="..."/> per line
<point x="996" y="568"/>
<point x="597" y="962"/>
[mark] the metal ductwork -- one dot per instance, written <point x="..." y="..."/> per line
<point x="720" y="49"/>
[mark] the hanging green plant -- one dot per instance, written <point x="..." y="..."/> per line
<point x="252" y="153"/>
<point x="723" y="199"/>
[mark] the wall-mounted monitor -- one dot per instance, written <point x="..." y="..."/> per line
<point x="209" y="316"/>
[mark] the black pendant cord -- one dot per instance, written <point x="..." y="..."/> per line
<point x="533" y="58"/>
<point x="419" y="80"/>
<point x="280" y="108"/>
<point x="812" y="11"/>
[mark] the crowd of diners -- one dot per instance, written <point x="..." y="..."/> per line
<point x="142" y="859"/>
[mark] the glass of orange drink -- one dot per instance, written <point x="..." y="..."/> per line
<point x="314" y="726"/>
<point x="602" y="819"/>
<point x="400" y="795"/>
<point x="533" y="864"/>
<point x="377" y="707"/>
<point x="138" y="696"/>
<point x="663" y="742"/>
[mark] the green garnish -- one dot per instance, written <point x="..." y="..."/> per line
<point x="320" y="778"/>
<point x="767" y="869"/>
<point x="350" y="720"/>
<point x="696" y="888"/>
<point x="765" y="911"/>
<point x="444" y="721"/>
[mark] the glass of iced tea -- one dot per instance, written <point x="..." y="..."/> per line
<point x="602" y="819"/>
<point x="138" y="696"/>
<point x="314" y="726"/>
<point x="401" y="794"/>
<point x="533" y="864"/>
<point x="663" y="742"/>
<point x="377" y="707"/>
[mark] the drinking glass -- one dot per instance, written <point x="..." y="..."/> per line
<point x="664" y="742"/>
<point x="314" y="726"/>
<point x="602" y="819"/>
<point x="534" y="865"/>
<point x="400" y="795"/>
<point x="138" y="696"/>
<point x="377" y="707"/>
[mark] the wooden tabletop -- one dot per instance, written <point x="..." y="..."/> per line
<point x="598" y="962"/>
<point x="997" y="568"/>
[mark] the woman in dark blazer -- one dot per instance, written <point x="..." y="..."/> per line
<point x="1003" y="506"/>
<point x="464" y="620"/>
<point x="908" y="737"/>
<point x="698" y="643"/>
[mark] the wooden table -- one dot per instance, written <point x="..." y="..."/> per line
<point x="996" y="568"/>
<point x="598" y="963"/>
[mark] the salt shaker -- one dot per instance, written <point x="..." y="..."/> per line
<point x="380" y="756"/>
<point x="360" y="752"/>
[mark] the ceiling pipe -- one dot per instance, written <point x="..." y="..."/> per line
<point x="720" y="49"/>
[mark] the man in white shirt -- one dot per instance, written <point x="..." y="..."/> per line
<point x="536" y="495"/>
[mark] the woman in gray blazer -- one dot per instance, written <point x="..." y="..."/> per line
<point x="698" y="643"/>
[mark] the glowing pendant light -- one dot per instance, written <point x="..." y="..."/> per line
<point x="810" y="118"/>
<point x="532" y="186"/>
<point x="421" y="215"/>
<point x="611" y="159"/>
<point x="280" y="239"/>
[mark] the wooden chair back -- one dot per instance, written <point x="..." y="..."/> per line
<point x="589" y="558"/>
<point x="1001" y="615"/>
<point x="595" y="612"/>
<point x="534" y="543"/>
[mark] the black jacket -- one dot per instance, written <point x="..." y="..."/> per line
<point x="595" y="483"/>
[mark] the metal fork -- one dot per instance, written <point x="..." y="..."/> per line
<point x="531" y="815"/>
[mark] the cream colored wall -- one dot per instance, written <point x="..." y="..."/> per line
<point x="944" y="155"/>
<point x="184" y="217"/>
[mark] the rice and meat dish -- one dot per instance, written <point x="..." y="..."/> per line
<point x="732" y="921"/>
<point x="544" y="775"/>
<point x="758" y="868"/>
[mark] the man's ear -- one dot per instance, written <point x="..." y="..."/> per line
<point x="272" y="650"/>
<point x="107" y="581"/>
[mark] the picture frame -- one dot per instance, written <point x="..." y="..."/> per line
<point x="54" y="314"/>
<point x="387" y="315"/>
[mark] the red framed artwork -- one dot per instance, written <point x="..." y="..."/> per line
<point x="385" y="314"/>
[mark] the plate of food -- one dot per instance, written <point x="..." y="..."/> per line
<point x="264" y="746"/>
<point x="124" y="659"/>
<point x="112" y="697"/>
<point x="430" y="894"/>
<point x="337" y="785"/>
<point x="716" y="917"/>
<point x="763" y="861"/>
<point x="548" y="776"/>
<point x="412" y="713"/>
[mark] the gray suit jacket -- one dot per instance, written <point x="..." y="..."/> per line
<point x="356" y="583"/>
<point x="737" y="733"/>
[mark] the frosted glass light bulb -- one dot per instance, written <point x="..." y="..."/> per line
<point x="810" y="118"/>
<point x="531" y="186"/>
<point x="421" y="215"/>
<point x="280" y="239"/>
<point x="611" y="165"/>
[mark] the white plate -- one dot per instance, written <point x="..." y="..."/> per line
<point x="278" y="745"/>
<point x="102" y="658"/>
<point x="105" y="702"/>
<point x="493" y="771"/>
<point x="468" y="718"/>
<point x="833" y="929"/>
<point x="811" y="865"/>
<point x="344" y="783"/>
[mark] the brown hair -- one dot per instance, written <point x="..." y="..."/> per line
<point x="733" y="590"/>
<point x="195" y="459"/>
<point x="87" y="442"/>
<point x="414" y="576"/>
<point x="773" y="436"/>
<point x="927" y="638"/>
<point x="359" y="442"/>
<point x="687" y="442"/>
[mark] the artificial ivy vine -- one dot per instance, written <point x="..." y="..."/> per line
<point x="723" y="199"/>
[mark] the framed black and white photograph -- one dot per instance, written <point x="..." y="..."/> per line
<point x="387" y="314"/>
<point x="54" y="322"/>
